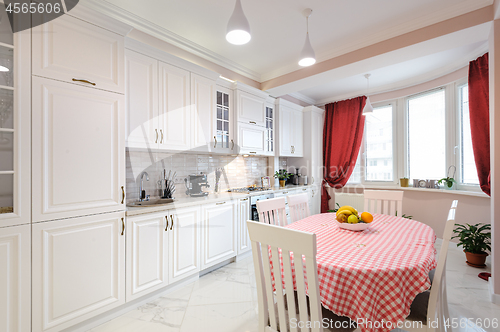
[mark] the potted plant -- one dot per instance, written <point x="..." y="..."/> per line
<point x="282" y="175"/>
<point x="476" y="241"/>
<point x="449" y="180"/>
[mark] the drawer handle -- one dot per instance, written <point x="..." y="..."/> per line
<point x="252" y="122"/>
<point x="312" y="179"/>
<point x="83" y="81"/>
<point x="304" y="189"/>
<point x="285" y="192"/>
<point x="161" y="139"/>
<point x="312" y="193"/>
<point x="172" y="222"/>
<point x="253" y="152"/>
<point x="156" y="139"/>
<point x="123" y="195"/>
<point x="244" y="199"/>
<point x="232" y="146"/>
<point x="215" y="142"/>
<point x="166" y="227"/>
<point x="123" y="226"/>
<point x="220" y="203"/>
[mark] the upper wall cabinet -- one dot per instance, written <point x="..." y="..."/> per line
<point x="251" y="109"/>
<point x="72" y="50"/>
<point x="291" y="131"/>
<point x="203" y="101"/>
<point x="78" y="151"/>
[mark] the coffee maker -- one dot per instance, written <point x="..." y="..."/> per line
<point x="194" y="184"/>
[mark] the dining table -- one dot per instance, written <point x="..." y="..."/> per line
<point x="371" y="276"/>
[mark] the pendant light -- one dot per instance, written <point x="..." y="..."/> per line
<point x="368" y="105"/>
<point x="2" y="68"/>
<point x="307" y="56"/>
<point x="238" y="28"/>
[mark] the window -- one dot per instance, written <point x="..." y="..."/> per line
<point x="427" y="135"/>
<point x="378" y="144"/>
<point x="468" y="174"/>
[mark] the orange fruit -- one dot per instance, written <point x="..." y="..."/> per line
<point x="367" y="217"/>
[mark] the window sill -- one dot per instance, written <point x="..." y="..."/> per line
<point x="427" y="190"/>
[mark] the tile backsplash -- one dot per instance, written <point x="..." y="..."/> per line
<point x="238" y="171"/>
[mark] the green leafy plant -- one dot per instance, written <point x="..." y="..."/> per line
<point x="282" y="174"/>
<point x="475" y="239"/>
<point x="335" y="210"/>
<point x="404" y="216"/>
<point x="448" y="181"/>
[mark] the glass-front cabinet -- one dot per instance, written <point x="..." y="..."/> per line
<point x="269" y="135"/>
<point x="14" y="124"/>
<point x="224" y="141"/>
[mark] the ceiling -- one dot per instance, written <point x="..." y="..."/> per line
<point x="336" y="27"/>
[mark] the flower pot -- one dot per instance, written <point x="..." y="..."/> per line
<point x="404" y="182"/>
<point x="475" y="260"/>
<point x="282" y="183"/>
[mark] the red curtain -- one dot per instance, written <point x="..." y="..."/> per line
<point x="479" y="110"/>
<point x="342" y="135"/>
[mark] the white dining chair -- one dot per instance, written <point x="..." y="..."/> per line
<point x="272" y="211"/>
<point x="298" y="206"/>
<point x="384" y="202"/>
<point x="432" y="305"/>
<point x="279" y="308"/>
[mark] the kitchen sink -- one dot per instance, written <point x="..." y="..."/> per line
<point x="153" y="202"/>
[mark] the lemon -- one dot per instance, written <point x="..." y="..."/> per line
<point x="352" y="219"/>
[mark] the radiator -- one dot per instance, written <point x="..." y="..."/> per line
<point x="357" y="201"/>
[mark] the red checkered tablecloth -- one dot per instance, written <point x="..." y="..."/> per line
<point x="374" y="274"/>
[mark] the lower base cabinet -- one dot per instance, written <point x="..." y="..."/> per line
<point x="218" y="232"/>
<point x="15" y="279"/>
<point x="78" y="269"/>
<point x="244" y="244"/>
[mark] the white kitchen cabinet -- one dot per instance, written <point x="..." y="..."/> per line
<point x="251" y="109"/>
<point x="71" y="50"/>
<point x="184" y="236"/>
<point x="251" y="139"/>
<point x="141" y="94"/>
<point x="15" y="128"/>
<point x="174" y="119"/>
<point x="147" y="254"/>
<point x="203" y="112"/>
<point x="78" y="269"/>
<point x="244" y="244"/>
<point x="15" y="279"/>
<point x="218" y="233"/>
<point x="290" y="129"/>
<point x="224" y="122"/>
<point x="78" y="152"/>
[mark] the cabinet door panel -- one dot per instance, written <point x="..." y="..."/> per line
<point x="203" y="101"/>
<point x="141" y="77"/>
<point x="184" y="243"/>
<point x="175" y="109"/>
<point x="219" y="233"/>
<point x="15" y="279"/>
<point x="78" y="150"/>
<point x="251" y="139"/>
<point x="243" y="215"/>
<point x="78" y="269"/>
<point x="251" y="109"/>
<point x="69" y="48"/>
<point x="297" y="136"/>
<point x="286" y="129"/>
<point x="146" y="266"/>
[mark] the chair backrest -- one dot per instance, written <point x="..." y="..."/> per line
<point x="438" y="301"/>
<point x="299" y="206"/>
<point x="272" y="211"/>
<point x="267" y="239"/>
<point x="384" y="201"/>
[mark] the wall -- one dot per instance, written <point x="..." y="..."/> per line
<point x="239" y="171"/>
<point x="431" y="207"/>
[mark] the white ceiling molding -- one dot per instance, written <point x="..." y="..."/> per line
<point x="302" y="97"/>
<point x="169" y="37"/>
<point x="433" y="18"/>
<point x="410" y="82"/>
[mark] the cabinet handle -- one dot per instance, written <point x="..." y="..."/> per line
<point x="244" y="199"/>
<point x="312" y="193"/>
<point x="161" y="133"/>
<point x="285" y="192"/>
<point x="172" y="224"/>
<point x="156" y="139"/>
<point x="252" y="152"/>
<point x="215" y="142"/>
<point x="166" y="227"/>
<point x="304" y="189"/>
<point x="252" y="122"/>
<point x="232" y="146"/>
<point x="123" y="195"/>
<point x="220" y="203"/>
<point x="123" y="226"/>
<point x="312" y="179"/>
<point x="83" y="81"/>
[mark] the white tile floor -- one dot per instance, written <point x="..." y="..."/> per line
<point x="225" y="300"/>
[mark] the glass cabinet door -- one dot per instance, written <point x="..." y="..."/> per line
<point x="222" y="134"/>
<point x="269" y="136"/>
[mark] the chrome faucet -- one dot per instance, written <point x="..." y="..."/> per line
<point x="142" y="192"/>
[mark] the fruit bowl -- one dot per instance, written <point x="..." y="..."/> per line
<point x="361" y="226"/>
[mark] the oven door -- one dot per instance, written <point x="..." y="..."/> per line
<point x="254" y="215"/>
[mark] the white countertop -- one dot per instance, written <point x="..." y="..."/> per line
<point x="184" y="201"/>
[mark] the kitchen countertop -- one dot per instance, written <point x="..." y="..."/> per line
<point x="186" y="201"/>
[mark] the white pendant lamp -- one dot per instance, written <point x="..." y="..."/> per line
<point x="368" y="105"/>
<point x="238" y="28"/>
<point x="307" y="56"/>
<point x="2" y="68"/>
